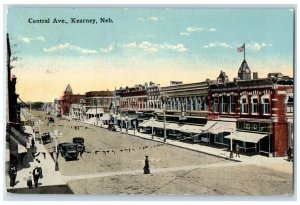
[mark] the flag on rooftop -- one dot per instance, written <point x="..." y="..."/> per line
<point x="241" y="49"/>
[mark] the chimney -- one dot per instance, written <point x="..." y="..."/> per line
<point x="255" y="75"/>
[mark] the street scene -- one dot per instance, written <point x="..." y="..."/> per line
<point x="142" y="111"/>
<point x="113" y="164"/>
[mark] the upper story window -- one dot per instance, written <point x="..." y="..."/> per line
<point x="215" y="104"/>
<point x="254" y="104"/>
<point x="231" y="104"/>
<point x="244" y="104"/>
<point x="224" y="104"/>
<point x="265" y="102"/>
<point x="289" y="103"/>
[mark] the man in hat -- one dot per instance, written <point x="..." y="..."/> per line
<point x="36" y="175"/>
<point x="146" y="167"/>
<point x="12" y="175"/>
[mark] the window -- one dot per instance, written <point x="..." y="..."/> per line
<point x="265" y="101"/>
<point x="290" y="103"/>
<point x="244" y="104"/>
<point x="254" y="104"/>
<point x="215" y="104"/>
<point x="224" y="104"/>
<point x="232" y="104"/>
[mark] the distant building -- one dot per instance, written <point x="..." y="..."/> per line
<point x="153" y="96"/>
<point x="67" y="99"/>
<point x="98" y="103"/>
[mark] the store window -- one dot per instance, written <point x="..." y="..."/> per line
<point x="254" y="104"/>
<point x="244" y="104"/>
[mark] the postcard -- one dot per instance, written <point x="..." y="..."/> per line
<point x="152" y="101"/>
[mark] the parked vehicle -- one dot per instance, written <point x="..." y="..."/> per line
<point x="68" y="151"/>
<point x="80" y="144"/>
<point x="60" y="145"/>
<point x="46" y="138"/>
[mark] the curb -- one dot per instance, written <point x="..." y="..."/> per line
<point x="235" y="160"/>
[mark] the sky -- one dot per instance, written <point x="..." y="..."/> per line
<point x="142" y="45"/>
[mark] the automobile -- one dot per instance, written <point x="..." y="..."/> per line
<point x="68" y="151"/>
<point x="80" y="144"/>
<point x="60" y="145"/>
<point x="46" y="138"/>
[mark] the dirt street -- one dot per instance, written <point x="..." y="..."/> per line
<point x="114" y="164"/>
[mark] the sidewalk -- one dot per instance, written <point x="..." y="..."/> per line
<point x="276" y="163"/>
<point x="50" y="176"/>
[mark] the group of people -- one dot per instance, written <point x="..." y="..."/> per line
<point x="37" y="173"/>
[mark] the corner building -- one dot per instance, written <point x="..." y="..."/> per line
<point x="261" y="107"/>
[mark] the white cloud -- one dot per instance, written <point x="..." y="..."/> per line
<point x="217" y="44"/>
<point x="184" y="34"/>
<point x="108" y="49"/>
<point x="153" y="18"/>
<point x="140" y="19"/>
<point x="152" y="47"/>
<point x="28" y="40"/>
<point x="40" y="38"/>
<point x="129" y="45"/>
<point x="194" y="29"/>
<point x="70" y="47"/>
<point x="257" y="46"/>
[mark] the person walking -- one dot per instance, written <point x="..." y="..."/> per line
<point x="289" y="154"/>
<point x="29" y="181"/>
<point x="12" y="175"/>
<point x="237" y="150"/>
<point x="146" y="167"/>
<point x="36" y="176"/>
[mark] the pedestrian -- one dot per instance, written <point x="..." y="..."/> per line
<point x="146" y="167"/>
<point x="36" y="176"/>
<point x="237" y="150"/>
<point x="289" y="154"/>
<point x="29" y="181"/>
<point x="32" y="142"/>
<point x="12" y="175"/>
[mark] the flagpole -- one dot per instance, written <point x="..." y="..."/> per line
<point x="244" y="51"/>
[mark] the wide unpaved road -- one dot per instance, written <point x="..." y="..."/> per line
<point x="114" y="165"/>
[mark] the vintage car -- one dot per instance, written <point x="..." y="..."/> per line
<point x="80" y="144"/>
<point x="46" y="138"/>
<point x="68" y="151"/>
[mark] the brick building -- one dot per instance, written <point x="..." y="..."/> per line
<point x="67" y="99"/>
<point x="261" y="107"/>
<point x="98" y="103"/>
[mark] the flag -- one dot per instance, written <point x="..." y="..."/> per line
<point x="241" y="49"/>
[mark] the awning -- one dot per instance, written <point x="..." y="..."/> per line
<point x="93" y="111"/>
<point x="20" y="147"/>
<point x="27" y="129"/>
<point x="105" y="117"/>
<point x="146" y="123"/>
<point x="173" y="126"/>
<point x="189" y="129"/>
<point x="221" y="126"/>
<point x="19" y="137"/>
<point x="246" y="136"/>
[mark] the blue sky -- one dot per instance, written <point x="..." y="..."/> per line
<point x="176" y="42"/>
